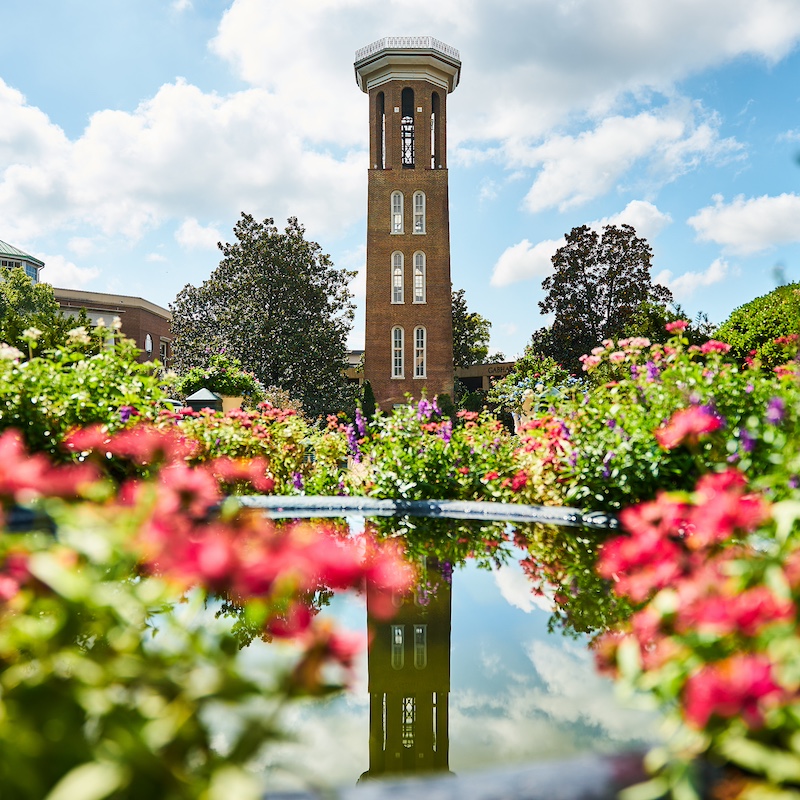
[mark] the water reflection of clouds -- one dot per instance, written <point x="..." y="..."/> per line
<point x="518" y="693"/>
<point x="516" y="589"/>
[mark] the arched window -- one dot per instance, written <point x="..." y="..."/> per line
<point x="380" y="130"/>
<point x="419" y="277"/>
<point x="407" y="128"/>
<point x="420" y="646"/>
<point x="397" y="278"/>
<point x="397" y="352"/>
<point x="419" y="353"/>
<point x="398" y="646"/>
<point x="419" y="212"/>
<point x="397" y="212"/>
<point x="436" y="132"/>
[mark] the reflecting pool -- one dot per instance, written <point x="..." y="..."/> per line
<point x="465" y="676"/>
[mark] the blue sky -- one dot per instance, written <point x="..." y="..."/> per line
<point x="134" y="132"/>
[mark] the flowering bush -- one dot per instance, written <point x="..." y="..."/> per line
<point x="714" y="576"/>
<point x="48" y="395"/>
<point x="110" y="670"/>
<point x="223" y="375"/>
<point x="626" y="440"/>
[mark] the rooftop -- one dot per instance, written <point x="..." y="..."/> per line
<point x="9" y="251"/>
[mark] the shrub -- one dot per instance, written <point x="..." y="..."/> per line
<point x="224" y="375"/>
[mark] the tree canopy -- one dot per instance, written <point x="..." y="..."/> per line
<point x="277" y="303"/>
<point x="598" y="287"/>
<point x="757" y="324"/>
<point x="24" y="305"/>
<point x="471" y="333"/>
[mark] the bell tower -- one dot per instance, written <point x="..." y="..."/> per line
<point x="409" y="327"/>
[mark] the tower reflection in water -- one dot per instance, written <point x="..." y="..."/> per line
<point x="409" y="677"/>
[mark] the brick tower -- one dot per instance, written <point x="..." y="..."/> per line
<point x="409" y="327"/>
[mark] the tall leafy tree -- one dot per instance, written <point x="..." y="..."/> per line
<point x="25" y="304"/>
<point x="277" y="303"/>
<point x="598" y="285"/>
<point x="471" y="334"/>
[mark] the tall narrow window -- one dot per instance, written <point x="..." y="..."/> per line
<point x="420" y="646"/>
<point x="397" y="352"/>
<point x="419" y="212"/>
<point x="398" y="646"/>
<point x="407" y="128"/>
<point x="419" y="277"/>
<point x="419" y="352"/>
<point x="397" y="212"/>
<point x="380" y="130"/>
<point x="397" y="277"/>
<point x="436" y="132"/>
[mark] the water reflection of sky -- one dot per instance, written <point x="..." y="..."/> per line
<point x="518" y="693"/>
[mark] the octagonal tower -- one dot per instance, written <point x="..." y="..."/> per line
<point x="409" y="328"/>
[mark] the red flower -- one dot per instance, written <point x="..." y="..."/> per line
<point x="519" y="480"/>
<point x="739" y="686"/>
<point x="687" y="426"/>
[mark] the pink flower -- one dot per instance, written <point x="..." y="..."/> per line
<point x="617" y="356"/>
<point x="677" y="325"/>
<point x="713" y="346"/>
<point x="589" y="362"/>
<point x="740" y="686"/>
<point x="687" y="426"/>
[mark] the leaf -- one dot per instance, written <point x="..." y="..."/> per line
<point x="92" y="781"/>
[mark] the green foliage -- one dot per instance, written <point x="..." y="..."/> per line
<point x="756" y="325"/>
<point x="25" y="305"/>
<point x="598" y="286"/>
<point x="535" y="381"/>
<point x="223" y="375"/>
<point x="368" y="404"/>
<point x="277" y="303"/>
<point x="471" y="334"/>
<point x="47" y="396"/>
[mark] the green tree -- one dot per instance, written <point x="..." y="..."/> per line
<point x="757" y="324"/>
<point x="598" y="285"/>
<point x="277" y="303"/>
<point x="25" y="304"/>
<point x="471" y="334"/>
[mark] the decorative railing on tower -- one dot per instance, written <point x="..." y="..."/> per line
<point x="409" y="43"/>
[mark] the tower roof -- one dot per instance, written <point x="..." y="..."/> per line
<point x="14" y="252"/>
<point x="407" y="58"/>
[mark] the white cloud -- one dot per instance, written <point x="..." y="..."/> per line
<point x="524" y="260"/>
<point x="790" y="136"/>
<point x="81" y="245"/>
<point x="644" y="217"/>
<point x="685" y="285"/>
<point x="192" y="235"/>
<point x="516" y="589"/>
<point x="749" y="225"/>
<point x="181" y="5"/>
<point x="65" y="274"/>
<point x="576" y="169"/>
<point x="155" y="258"/>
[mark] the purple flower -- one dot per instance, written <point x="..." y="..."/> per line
<point x="447" y="571"/>
<point x="446" y="430"/>
<point x="794" y="482"/>
<point x="612" y="423"/>
<point x="125" y="413"/>
<point x="424" y="409"/>
<point x="297" y="480"/>
<point x="653" y="372"/>
<point x="361" y="423"/>
<point x="352" y="443"/>
<point x="634" y="371"/>
<point x="435" y="406"/>
<point x="748" y="441"/>
<point x="573" y="458"/>
<point x="606" y="461"/>
<point x="776" y="409"/>
<point x="749" y="388"/>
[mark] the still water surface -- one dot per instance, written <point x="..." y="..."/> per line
<point x="501" y="691"/>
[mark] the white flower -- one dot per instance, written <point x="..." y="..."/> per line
<point x="78" y="335"/>
<point x="31" y="333"/>
<point x="116" y="323"/>
<point x="9" y="353"/>
<point x="101" y="323"/>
